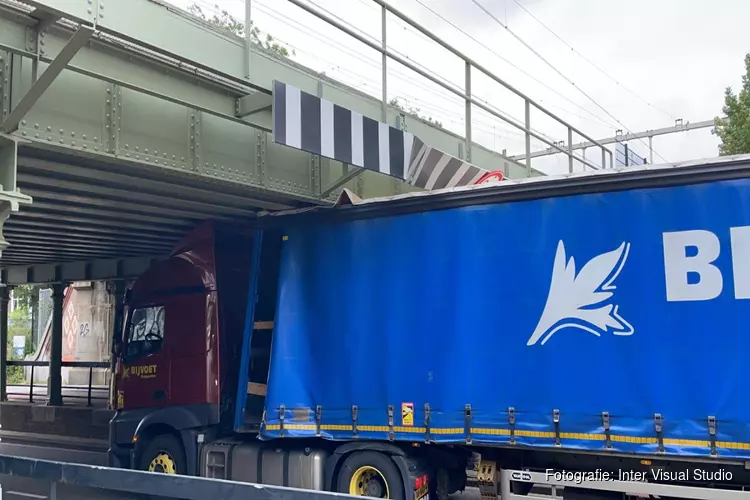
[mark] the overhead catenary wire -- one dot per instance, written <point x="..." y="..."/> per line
<point x="444" y="82"/>
<point x="422" y="67"/>
<point x="562" y="75"/>
<point x="439" y="92"/>
<point x="594" y="65"/>
<point x="489" y="128"/>
<point x="518" y="68"/>
<point x="491" y="131"/>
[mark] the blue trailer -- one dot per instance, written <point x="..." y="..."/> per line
<point x="581" y="323"/>
<point x="603" y="321"/>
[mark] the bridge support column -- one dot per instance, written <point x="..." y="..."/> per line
<point x="118" y="292"/>
<point x="4" y="299"/>
<point x="54" y="386"/>
<point x="10" y="196"/>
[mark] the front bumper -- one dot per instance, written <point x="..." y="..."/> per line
<point x="121" y="431"/>
<point x="120" y="457"/>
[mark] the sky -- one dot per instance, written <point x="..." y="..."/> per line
<point x="600" y="65"/>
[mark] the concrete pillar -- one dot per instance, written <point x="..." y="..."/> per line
<point x="4" y="299"/>
<point x="54" y="387"/>
<point x="91" y="305"/>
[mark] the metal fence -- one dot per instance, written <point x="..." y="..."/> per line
<point x="32" y="478"/>
<point x="565" y="147"/>
<point x="91" y="391"/>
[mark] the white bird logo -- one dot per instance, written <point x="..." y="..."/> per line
<point x="571" y="297"/>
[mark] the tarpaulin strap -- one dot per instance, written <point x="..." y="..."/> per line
<point x="390" y="422"/>
<point x="512" y="424"/>
<point x="607" y="433"/>
<point x="427" y="422"/>
<point x="318" y="418"/>
<point x="354" y="420"/>
<point x="556" y="420"/>
<point x="467" y="423"/>
<point x="712" y="434"/>
<point x="659" y="434"/>
<point x="282" y="411"/>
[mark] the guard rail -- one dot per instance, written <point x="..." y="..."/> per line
<point x="62" y="480"/>
<point x="90" y="397"/>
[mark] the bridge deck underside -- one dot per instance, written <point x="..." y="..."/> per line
<point x="85" y="211"/>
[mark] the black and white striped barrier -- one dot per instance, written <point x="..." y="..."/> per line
<point x="307" y="122"/>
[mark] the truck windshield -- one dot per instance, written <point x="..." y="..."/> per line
<point x="145" y="331"/>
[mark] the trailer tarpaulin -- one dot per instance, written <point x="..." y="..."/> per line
<point x="601" y="320"/>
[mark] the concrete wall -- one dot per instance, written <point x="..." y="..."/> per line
<point x="87" y="326"/>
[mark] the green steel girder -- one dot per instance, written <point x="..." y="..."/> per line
<point x="149" y="129"/>
<point x="161" y="60"/>
<point x="41" y="83"/>
<point x="119" y="103"/>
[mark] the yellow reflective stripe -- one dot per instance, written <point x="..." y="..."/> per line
<point x="488" y="431"/>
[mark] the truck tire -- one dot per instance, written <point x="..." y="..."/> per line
<point x="372" y="474"/>
<point x="164" y="454"/>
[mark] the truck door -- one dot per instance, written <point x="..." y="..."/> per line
<point x="145" y="365"/>
<point x="165" y="355"/>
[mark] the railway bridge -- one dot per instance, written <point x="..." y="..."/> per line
<point x="125" y="123"/>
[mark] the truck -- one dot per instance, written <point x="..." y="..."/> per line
<point x="583" y="323"/>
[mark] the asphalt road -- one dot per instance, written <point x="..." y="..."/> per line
<point x="74" y="450"/>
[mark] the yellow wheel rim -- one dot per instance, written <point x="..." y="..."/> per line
<point x="368" y="481"/>
<point x="164" y="463"/>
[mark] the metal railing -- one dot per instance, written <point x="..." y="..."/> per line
<point x="182" y="64"/>
<point x="466" y="93"/>
<point x="28" y="477"/>
<point x="89" y="387"/>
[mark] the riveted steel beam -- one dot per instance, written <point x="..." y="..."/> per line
<point x="350" y="174"/>
<point x="125" y="49"/>
<point x="253" y="103"/>
<point x="79" y="38"/>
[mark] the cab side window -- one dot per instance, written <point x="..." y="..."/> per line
<point x="145" y="331"/>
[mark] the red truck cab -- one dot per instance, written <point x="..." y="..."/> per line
<point x="180" y="337"/>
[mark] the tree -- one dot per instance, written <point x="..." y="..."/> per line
<point x="27" y="299"/>
<point x="24" y="295"/>
<point x="228" y="22"/>
<point x="734" y="129"/>
<point x="19" y="324"/>
<point x="413" y="112"/>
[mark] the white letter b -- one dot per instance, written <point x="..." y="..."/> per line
<point x="677" y="265"/>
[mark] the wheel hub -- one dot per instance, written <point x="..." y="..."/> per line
<point x="163" y="463"/>
<point x="369" y="482"/>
